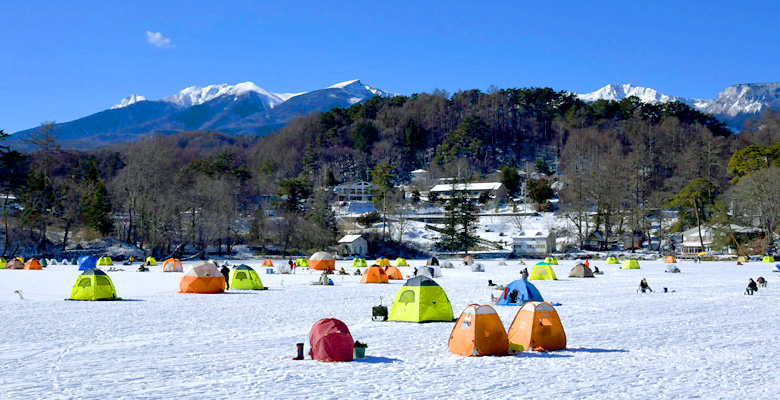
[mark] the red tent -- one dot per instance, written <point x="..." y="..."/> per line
<point x="330" y="340"/>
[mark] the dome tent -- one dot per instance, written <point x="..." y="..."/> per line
<point x="631" y="263"/>
<point x="551" y="260"/>
<point x="172" y="265"/>
<point x="611" y="259"/>
<point x="382" y="262"/>
<point x="322" y="260"/>
<point x="105" y="260"/>
<point x="536" y="325"/>
<point x="93" y="284"/>
<point x="244" y="277"/>
<point x="432" y="261"/>
<point x="301" y="262"/>
<point x="203" y="278"/>
<point x="421" y="299"/>
<point x="32" y="264"/>
<point x="87" y="262"/>
<point x="14" y="264"/>
<point x="374" y="274"/>
<point x="394" y="273"/>
<point x="672" y="268"/>
<point x="543" y="271"/>
<point x="401" y="262"/>
<point x="581" y="271"/>
<point x="330" y="341"/>
<point x="359" y="263"/>
<point x="526" y="292"/>
<point x="268" y="263"/>
<point x="478" y="332"/>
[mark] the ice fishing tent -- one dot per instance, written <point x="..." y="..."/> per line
<point x="374" y="274"/>
<point x="672" y="268"/>
<point x="401" y="262"/>
<point x="543" y="271"/>
<point x="612" y="260"/>
<point x="394" y="273"/>
<point x="631" y="263"/>
<point x="536" y="325"/>
<point x="203" y="278"/>
<point x="105" y="261"/>
<point x="14" y="264"/>
<point x="479" y="332"/>
<point x="3" y="262"/>
<point x="301" y="262"/>
<point x="431" y="271"/>
<point x="359" y="263"/>
<point x="742" y="259"/>
<point x="468" y="260"/>
<point x="44" y="262"/>
<point x="268" y="263"/>
<point x="768" y="259"/>
<point x="551" y="260"/>
<point x="518" y="293"/>
<point x="670" y="260"/>
<point x="443" y="264"/>
<point x="172" y="265"/>
<point x="382" y="262"/>
<point x="283" y="268"/>
<point x="322" y="260"/>
<point x="581" y="271"/>
<point x="245" y="277"/>
<point x="52" y="261"/>
<point x="432" y="261"/>
<point x="330" y="340"/>
<point x="93" y="284"/>
<point x="421" y="299"/>
<point x="150" y="261"/>
<point x="87" y="262"/>
<point x="477" y="267"/>
<point x="32" y="264"/>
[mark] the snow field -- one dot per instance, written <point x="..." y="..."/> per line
<point x="706" y="339"/>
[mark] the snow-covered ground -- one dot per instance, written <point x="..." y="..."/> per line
<point x="703" y="339"/>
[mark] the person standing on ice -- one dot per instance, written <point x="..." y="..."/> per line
<point x="292" y="266"/>
<point x="225" y="272"/>
<point x="752" y="287"/>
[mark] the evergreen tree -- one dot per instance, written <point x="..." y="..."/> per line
<point x="460" y="223"/>
<point x="511" y="180"/>
<point x="382" y="179"/>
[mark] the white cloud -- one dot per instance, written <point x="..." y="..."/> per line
<point x="156" y="39"/>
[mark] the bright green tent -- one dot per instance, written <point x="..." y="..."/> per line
<point x="401" y="262"/>
<point x="631" y="263"/>
<point x="612" y="260"/>
<point x="421" y="299"/>
<point x="301" y="262"/>
<point x="3" y="262"/>
<point x="244" y="277"/>
<point x="359" y="263"/>
<point x="768" y="259"/>
<point x="105" y="261"/>
<point x="551" y="260"/>
<point x="543" y="271"/>
<point x="93" y="284"/>
<point x="150" y="261"/>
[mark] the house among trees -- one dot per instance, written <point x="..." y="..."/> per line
<point x="495" y="190"/>
<point x="595" y="241"/>
<point x="691" y="245"/>
<point x="353" y="245"/>
<point x="419" y="175"/>
<point x="354" y="191"/>
<point x="533" y="244"/>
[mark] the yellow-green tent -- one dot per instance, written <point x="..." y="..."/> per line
<point x="3" y="262"/>
<point x="421" y="299"/>
<point x="245" y="277"/>
<point x="612" y="260"/>
<point x="631" y="263"/>
<point x="301" y="262"/>
<point x="93" y="284"/>
<point x="551" y="260"/>
<point x="359" y="263"/>
<point x="150" y="261"/>
<point x="382" y="262"/>
<point x="106" y="261"/>
<point x="401" y="262"/>
<point x="768" y="259"/>
<point x="543" y="271"/>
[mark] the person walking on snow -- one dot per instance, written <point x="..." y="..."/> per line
<point x="225" y="272"/>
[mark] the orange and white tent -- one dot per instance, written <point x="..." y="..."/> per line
<point x="268" y="263"/>
<point x="393" y="273"/>
<point x="32" y="264"/>
<point x="537" y="327"/>
<point x="670" y="260"/>
<point x="479" y="332"/>
<point x="374" y="274"/>
<point x="322" y="260"/>
<point x="203" y="278"/>
<point x="172" y="265"/>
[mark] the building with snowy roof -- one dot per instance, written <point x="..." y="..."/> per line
<point x="533" y="244"/>
<point x="353" y="245"/>
<point x="496" y="190"/>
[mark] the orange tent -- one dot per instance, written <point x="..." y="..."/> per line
<point x="479" y="332"/>
<point x="374" y="274"/>
<point x="322" y="260"/>
<point x="670" y="260"/>
<point x="32" y="264"/>
<point x="268" y="263"/>
<point x="172" y="265"/>
<point x="393" y="273"/>
<point x="203" y="278"/>
<point x="537" y="326"/>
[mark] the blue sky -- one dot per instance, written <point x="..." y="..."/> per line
<point x="64" y="60"/>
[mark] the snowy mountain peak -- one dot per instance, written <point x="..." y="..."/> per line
<point x="751" y="98"/>
<point x="360" y="91"/>
<point x="622" y="91"/>
<point x="342" y="85"/>
<point x="132" y="99"/>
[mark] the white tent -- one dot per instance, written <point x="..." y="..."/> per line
<point x="477" y="267"/>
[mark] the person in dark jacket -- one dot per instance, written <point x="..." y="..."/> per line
<point x="225" y="272"/>
<point x="643" y="286"/>
<point x="752" y="287"/>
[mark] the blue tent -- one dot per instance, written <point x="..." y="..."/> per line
<point x="526" y="291"/>
<point x="87" y="262"/>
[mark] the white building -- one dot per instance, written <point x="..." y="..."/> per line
<point x="691" y="245"/>
<point x="419" y="175"/>
<point x="353" y="245"/>
<point x="534" y="244"/>
<point x="354" y="191"/>
<point x="496" y="190"/>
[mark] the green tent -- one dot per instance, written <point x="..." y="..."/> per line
<point x="551" y="260"/>
<point x="421" y="299"/>
<point x="44" y="263"/>
<point x="768" y="259"/>
<point x="93" y="284"/>
<point x="244" y="277"/>
<point x="150" y="261"/>
<point x="543" y="271"/>
<point x="301" y="262"/>
<point x="400" y="262"/>
<point x="105" y="261"/>
<point x="631" y="263"/>
<point x="74" y="261"/>
<point x="3" y="262"/>
<point x="612" y="260"/>
<point x="359" y="263"/>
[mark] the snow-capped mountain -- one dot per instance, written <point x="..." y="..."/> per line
<point x="195" y="95"/>
<point x="132" y="99"/>
<point x="647" y="95"/>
